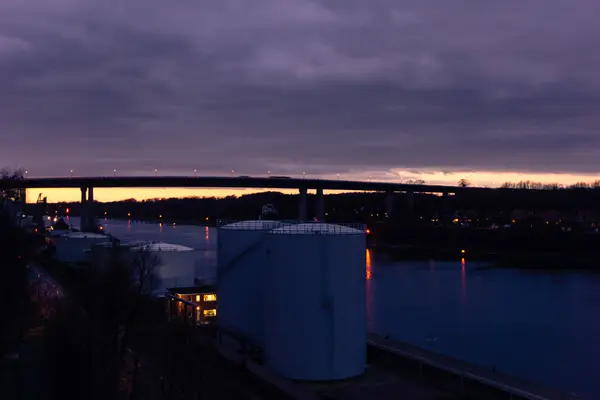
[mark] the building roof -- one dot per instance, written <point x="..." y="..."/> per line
<point x="201" y="289"/>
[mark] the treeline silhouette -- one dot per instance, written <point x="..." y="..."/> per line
<point x="346" y="207"/>
<point x="527" y="184"/>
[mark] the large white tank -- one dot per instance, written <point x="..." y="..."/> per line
<point x="73" y="247"/>
<point x="315" y="306"/>
<point x="240" y="277"/>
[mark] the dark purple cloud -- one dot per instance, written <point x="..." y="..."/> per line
<point x="297" y="85"/>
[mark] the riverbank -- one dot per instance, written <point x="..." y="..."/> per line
<point x="534" y="260"/>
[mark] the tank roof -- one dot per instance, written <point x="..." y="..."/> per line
<point x="85" y="235"/>
<point x="159" y="246"/>
<point x="318" y="228"/>
<point x="253" y="225"/>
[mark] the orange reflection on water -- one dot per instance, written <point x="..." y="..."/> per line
<point x="368" y="263"/>
<point x="206" y="232"/>
<point x="369" y="282"/>
<point x="463" y="279"/>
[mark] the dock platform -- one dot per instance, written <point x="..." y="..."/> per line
<point x="454" y="376"/>
<point x="398" y="370"/>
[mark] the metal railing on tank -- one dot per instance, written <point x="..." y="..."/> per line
<point x="321" y="228"/>
<point x="293" y="226"/>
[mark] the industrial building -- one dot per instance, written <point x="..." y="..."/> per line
<point x="74" y="247"/>
<point x="203" y="299"/>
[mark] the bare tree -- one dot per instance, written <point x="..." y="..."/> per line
<point x="110" y="301"/>
<point x="464" y="183"/>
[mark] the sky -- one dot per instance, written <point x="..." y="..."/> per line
<point x="413" y="89"/>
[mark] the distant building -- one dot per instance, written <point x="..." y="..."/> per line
<point x="202" y="299"/>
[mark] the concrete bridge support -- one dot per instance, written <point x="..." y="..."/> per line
<point x="302" y="207"/>
<point x="91" y="222"/>
<point x="88" y="217"/>
<point x="410" y="202"/>
<point x="320" y="205"/>
<point x="390" y="199"/>
<point x="83" y="220"/>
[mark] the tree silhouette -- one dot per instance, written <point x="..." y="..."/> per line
<point x="464" y="183"/>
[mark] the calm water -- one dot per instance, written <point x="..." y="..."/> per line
<point x="535" y="325"/>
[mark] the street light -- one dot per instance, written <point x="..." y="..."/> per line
<point x="338" y="176"/>
<point x="269" y="172"/>
<point x="26" y="172"/>
<point x="70" y="174"/>
<point x="194" y="172"/>
<point x="303" y="175"/>
<point x="155" y="171"/>
<point x="232" y="172"/>
<point x="114" y="172"/>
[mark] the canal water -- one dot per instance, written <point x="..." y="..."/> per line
<point x="541" y="326"/>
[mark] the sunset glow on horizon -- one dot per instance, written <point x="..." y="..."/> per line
<point x="479" y="178"/>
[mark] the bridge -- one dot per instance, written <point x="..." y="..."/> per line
<point x="87" y="185"/>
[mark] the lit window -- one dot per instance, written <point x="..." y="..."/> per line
<point x="210" y="297"/>
<point x="210" y="313"/>
<point x="197" y="297"/>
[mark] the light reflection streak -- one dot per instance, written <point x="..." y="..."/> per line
<point x="463" y="279"/>
<point x="369" y="282"/>
<point x="368" y="264"/>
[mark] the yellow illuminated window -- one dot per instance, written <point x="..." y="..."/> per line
<point x="197" y="297"/>
<point x="210" y="297"/>
<point x="210" y="313"/>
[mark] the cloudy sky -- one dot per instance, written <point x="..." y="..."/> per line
<point x="389" y="88"/>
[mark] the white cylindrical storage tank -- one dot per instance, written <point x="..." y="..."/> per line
<point x="72" y="247"/>
<point x="240" y="277"/>
<point x="174" y="264"/>
<point x="315" y="302"/>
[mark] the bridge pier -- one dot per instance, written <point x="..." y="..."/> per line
<point x="410" y="202"/>
<point x="320" y="205"/>
<point x="90" y="209"/>
<point x="302" y="208"/>
<point x="390" y="199"/>
<point x="83" y="223"/>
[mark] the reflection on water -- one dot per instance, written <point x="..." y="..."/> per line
<point x="369" y="268"/>
<point x="463" y="279"/>
<point x="538" y="326"/>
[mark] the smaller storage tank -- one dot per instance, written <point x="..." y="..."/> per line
<point x="315" y="301"/>
<point x="173" y="264"/>
<point x="73" y="247"/>
<point x="176" y="263"/>
<point x="240" y="277"/>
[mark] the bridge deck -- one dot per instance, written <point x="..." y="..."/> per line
<point x="228" y="182"/>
